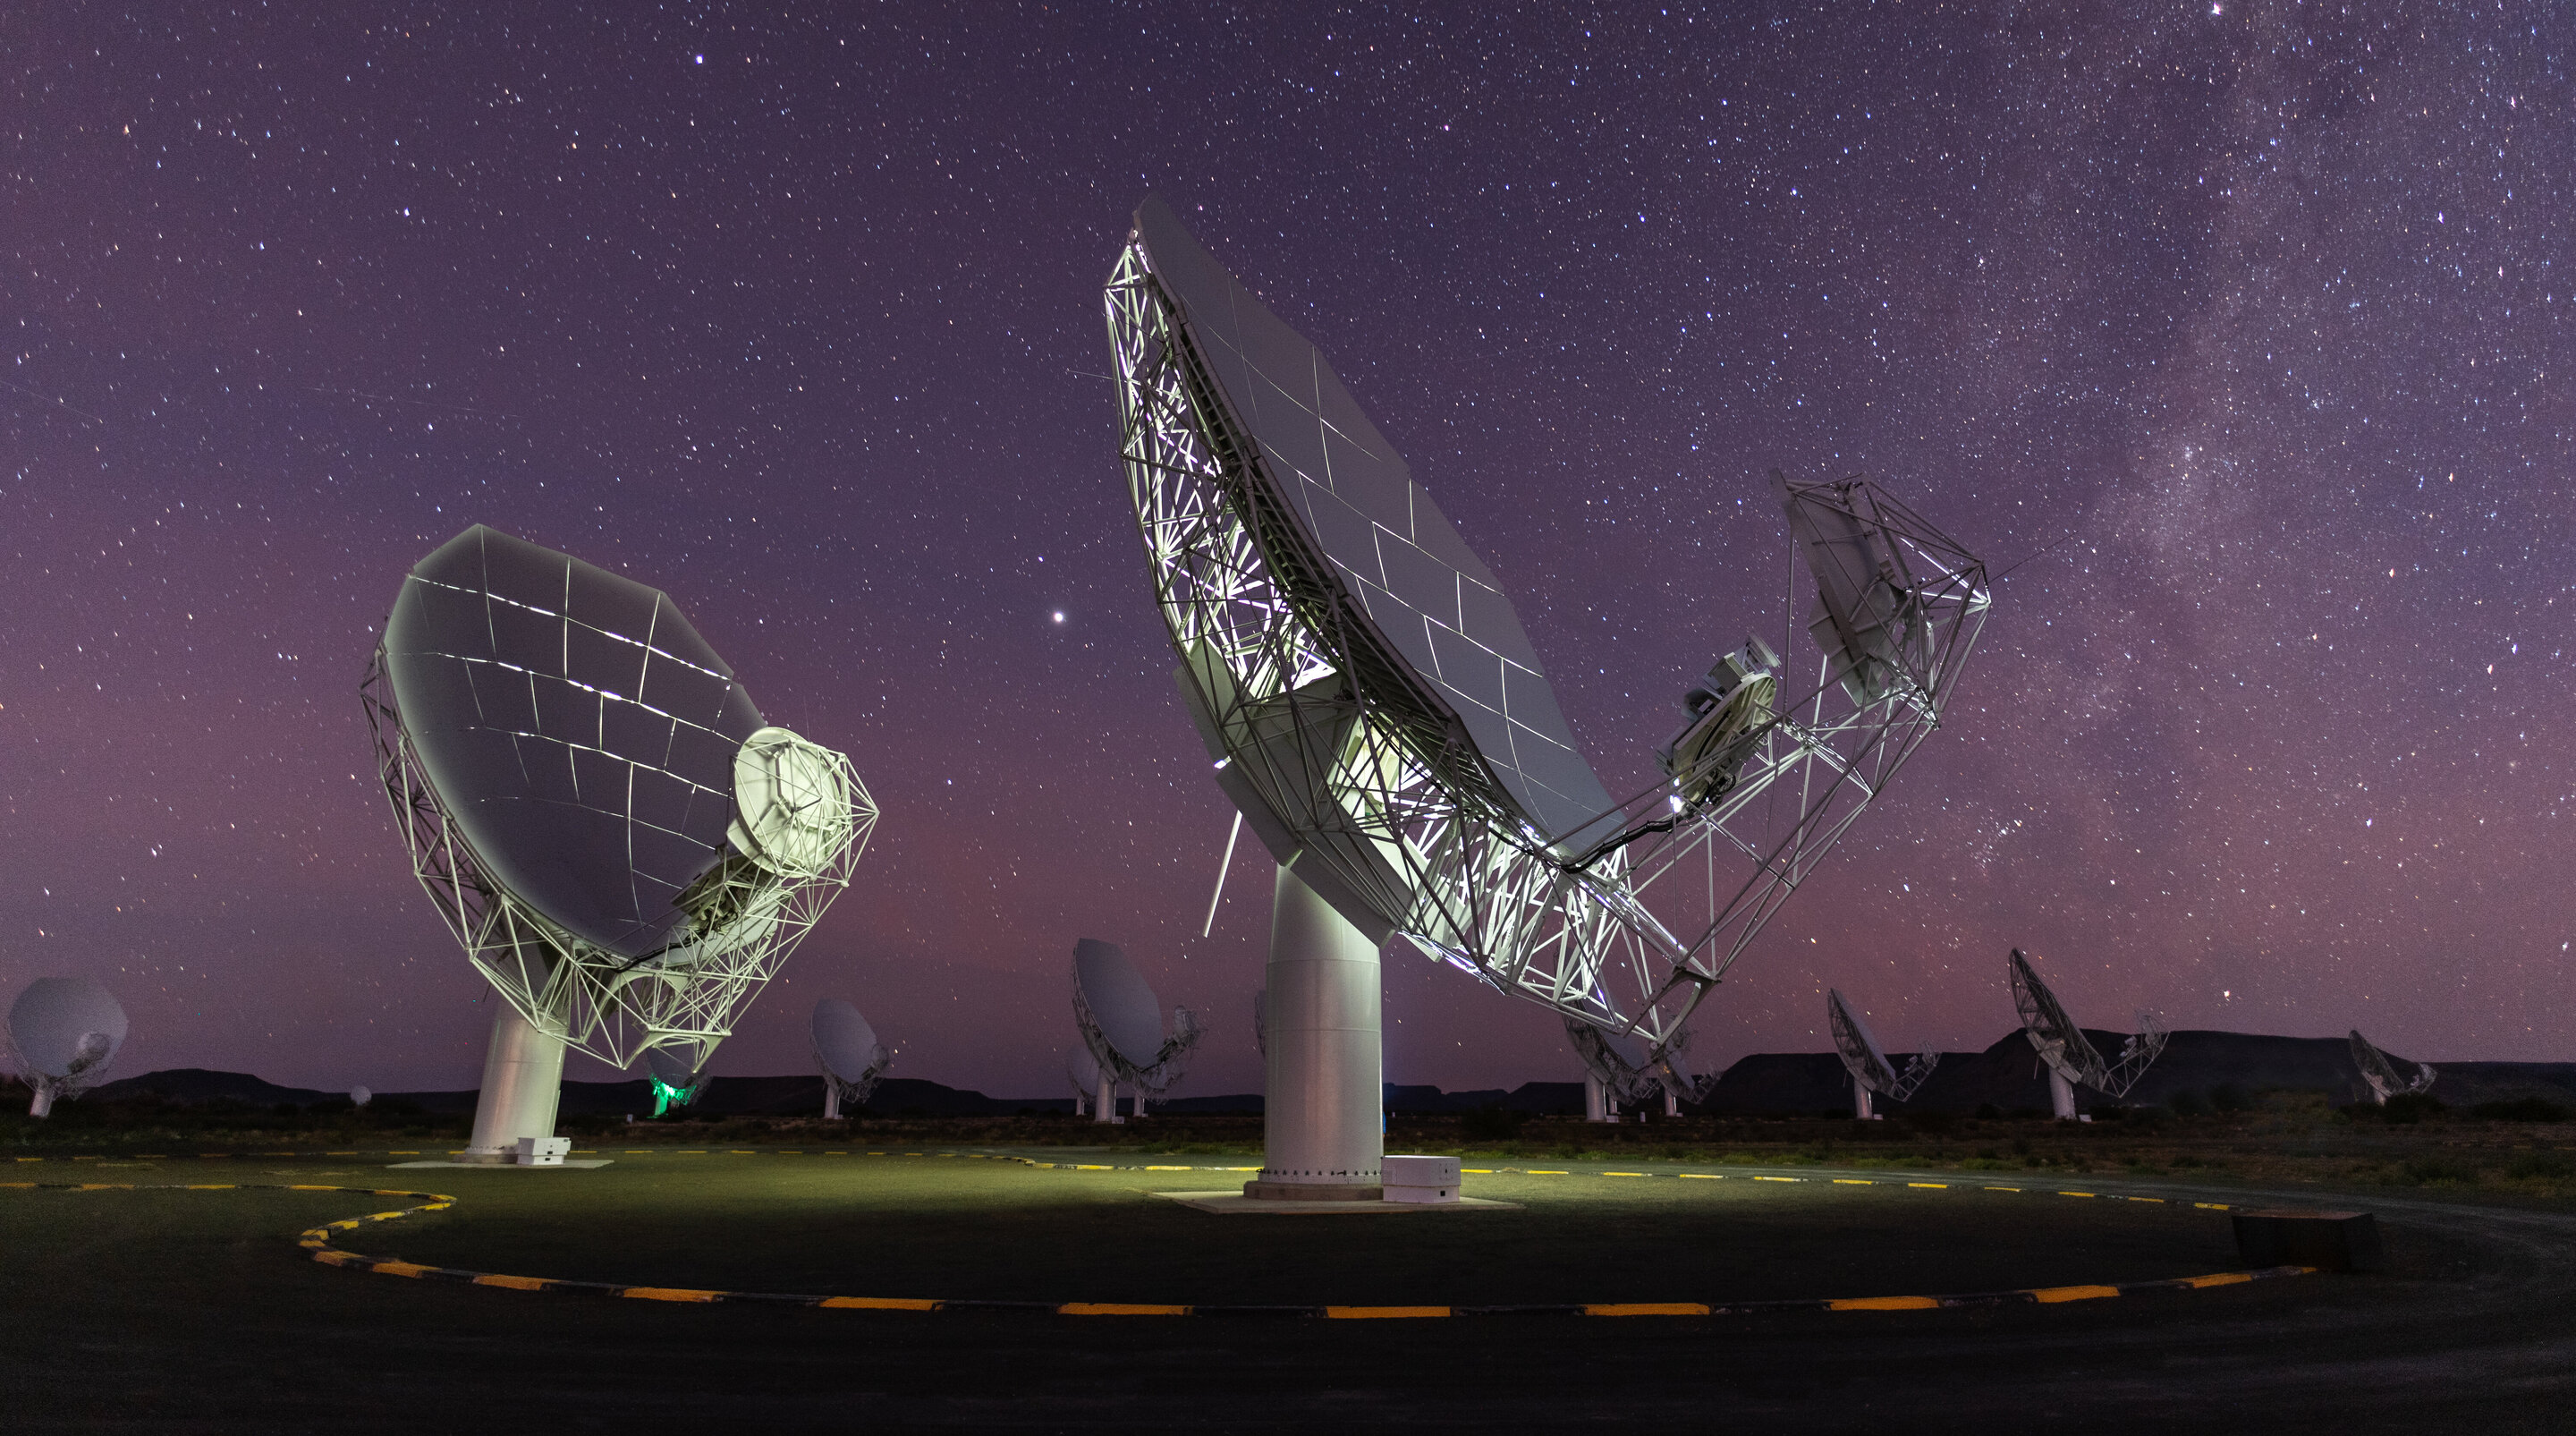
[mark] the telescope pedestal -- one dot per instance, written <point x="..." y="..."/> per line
<point x="1323" y="1109"/>
<point x="2061" y="1096"/>
<point x="522" y="1085"/>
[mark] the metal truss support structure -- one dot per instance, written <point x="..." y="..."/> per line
<point x="683" y="998"/>
<point x="1342" y="759"/>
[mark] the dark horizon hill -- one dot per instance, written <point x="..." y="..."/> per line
<point x="2005" y="1075"/>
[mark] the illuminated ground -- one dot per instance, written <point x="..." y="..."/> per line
<point x="194" y="1310"/>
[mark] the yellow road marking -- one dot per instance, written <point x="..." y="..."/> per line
<point x="397" y="1268"/>
<point x="1117" y="1308"/>
<point x="667" y="1293"/>
<point x="2224" y="1278"/>
<point x="514" y="1283"/>
<point x="1627" y="1174"/>
<point x="2075" y="1194"/>
<point x="1537" y="1172"/>
<point x="1648" y="1308"/>
<point x="2074" y="1293"/>
<point x="1938" y="1186"/>
<point x="1881" y="1303"/>
<point x="1779" y="1179"/>
<point x="878" y="1303"/>
<point x="1853" y="1182"/>
<point x="1702" y="1176"/>
<point x="1381" y="1313"/>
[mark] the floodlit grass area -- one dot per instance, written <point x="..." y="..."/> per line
<point x="981" y="1227"/>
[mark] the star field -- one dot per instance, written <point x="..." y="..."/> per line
<point x="2237" y="333"/>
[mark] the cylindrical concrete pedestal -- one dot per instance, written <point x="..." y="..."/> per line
<point x="522" y="1084"/>
<point x="1323" y="1123"/>
<point x="2061" y="1096"/>
<point x="43" y="1104"/>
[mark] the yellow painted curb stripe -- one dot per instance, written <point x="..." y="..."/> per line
<point x="2224" y="1278"/>
<point x="1779" y="1179"/>
<point x="1383" y="1313"/>
<point x="2073" y="1293"/>
<point x="1648" y="1308"/>
<point x="397" y="1268"/>
<point x="1702" y="1176"/>
<point x="667" y="1293"/>
<point x="1627" y="1174"/>
<point x="1853" y="1182"/>
<point x="1938" y="1186"/>
<point x="1538" y="1172"/>
<point x="514" y="1283"/>
<point x="2075" y="1194"/>
<point x="1115" y="1308"/>
<point x="1882" y="1303"/>
<point x="878" y="1303"/>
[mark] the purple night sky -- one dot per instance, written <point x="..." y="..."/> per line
<point x="800" y="321"/>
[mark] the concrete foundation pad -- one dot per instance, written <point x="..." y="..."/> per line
<point x="1237" y="1204"/>
<point x="508" y="1166"/>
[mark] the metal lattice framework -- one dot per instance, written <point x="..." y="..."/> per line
<point x="2064" y="1047"/>
<point x="745" y="921"/>
<point x="2380" y="1071"/>
<point x="1624" y="921"/>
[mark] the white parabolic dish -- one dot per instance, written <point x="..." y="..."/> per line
<point x="65" y="1025"/>
<point x="1120" y="1001"/>
<point x="843" y="1039"/>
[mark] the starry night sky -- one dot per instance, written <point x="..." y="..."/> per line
<point x="2258" y="314"/>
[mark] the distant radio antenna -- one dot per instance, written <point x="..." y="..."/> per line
<point x="63" y="1031"/>
<point x="2380" y="1071"/>
<point x="2070" y="1055"/>
<point x="851" y="1057"/>
<point x="1122" y="1027"/>
<point x="1871" y="1073"/>
<point x="1619" y="1069"/>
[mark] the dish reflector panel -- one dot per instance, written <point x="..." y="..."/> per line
<point x="843" y="1039"/>
<point x="579" y="732"/>
<point x="1368" y="529"/>
<point x="1119" y="1000"/>
<point x="65" y="1027"/>
<point x="1858" y="1045"/>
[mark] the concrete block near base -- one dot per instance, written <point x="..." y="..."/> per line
<point x="542" y="1151"/>
<point x="2328" y="1241"/>
<point x="1419" y="1179"/>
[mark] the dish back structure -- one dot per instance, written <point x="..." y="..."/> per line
<point x="1377" y="713"/>
<point x="1866" y="1060"/>
<point x="63" y="1033"/>
<point x="624" y="847"/>
<point x="2380" y="1071"/>
<point x="2064" y="1047"/>
<point x="1121" y="1026"/>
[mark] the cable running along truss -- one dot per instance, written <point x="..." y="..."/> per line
<point x="1351" y="764"/>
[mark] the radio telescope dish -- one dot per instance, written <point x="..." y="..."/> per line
<point x="1123" y="1028"/>
<point x="2380" y="1071"/>
<point x="676" y="1082"/>
<point x="2071" y="1057"/>
<point x="848" y="1051"/>
<point x="360" y="1096"/>
<point x="1377" y="713"/>
<point x="1871" y="1072"/>
<point x="1084" y="1074"/>
<point x="1618" y="1068"/>
<point x="626" y="849"/>
<point x="63" y="1031"/>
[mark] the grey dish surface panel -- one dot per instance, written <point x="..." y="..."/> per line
<point x="1119" y="1000"/>
<point x="1392" y="547"/>
<point x="52" y="1015"/>
<point x="574" y="727"/>
<point x="842" y="1039"/>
